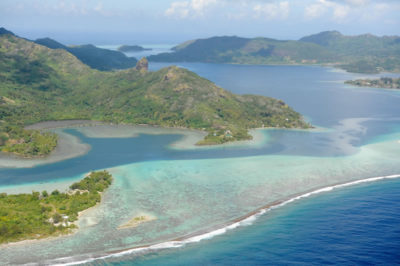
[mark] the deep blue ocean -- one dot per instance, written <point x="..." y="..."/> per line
<point x="357" y="225"/>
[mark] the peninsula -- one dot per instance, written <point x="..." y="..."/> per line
<point x="41" y="215"/>
<point x="43" y="84"/>
<point x="386" y="83"/>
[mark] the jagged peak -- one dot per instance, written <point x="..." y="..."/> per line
<point x="142" y="64"/>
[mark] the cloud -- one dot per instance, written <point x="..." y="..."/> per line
<point x="238" y="9"/>
<point x="315" y="10"/>
<point x="193" y="8"/>
<point x="337" y="11"/>
<point x="379" y="11"/>
<point x="178" y="9"/>
<point x="357" y="2"/>
<point x="201" y="5"/>
<point x="99" y="7"/>
<point x="272" y="10"/>
<point x="340" y="12"/>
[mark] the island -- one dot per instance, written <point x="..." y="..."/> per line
<point x="44" y="84"/>
<point x="362" y="54"/>
<point x="42" y="215"/>
<point x="386" y="83"/>
<point x="137" y="220"/>
<point x="132" y="48"/>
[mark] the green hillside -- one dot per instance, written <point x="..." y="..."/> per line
<point x="97" y="58"/>
<point x="39" y="84"/>
<point x="363" y="53"/>
<point x="245" y="51"/>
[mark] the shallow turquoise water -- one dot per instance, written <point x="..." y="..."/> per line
<point x="194" y="191"/>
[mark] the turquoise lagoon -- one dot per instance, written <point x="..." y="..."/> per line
<point x="195" y="193"/>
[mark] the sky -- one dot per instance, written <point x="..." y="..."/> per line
<point x="175" y="21"/>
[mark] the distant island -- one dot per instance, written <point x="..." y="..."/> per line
<point x="132" y="48"/>
<point x="387" y="83"/>
<point x="43" y="84"/>
<point x="41" y="215"/>
<point x="97" y="58"/>
<point x="363" y="53"/>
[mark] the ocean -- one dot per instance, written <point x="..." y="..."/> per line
<point x="358" y="225"/>
<point x="219" y="205"/>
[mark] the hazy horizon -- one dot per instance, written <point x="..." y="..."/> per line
<point x="169" y="22"/>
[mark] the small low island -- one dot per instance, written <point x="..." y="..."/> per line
<point x="386" y="83"/>
<point x="43" y="215"/>
<point x="137" y="220"/>
<point x="132" y="48"/>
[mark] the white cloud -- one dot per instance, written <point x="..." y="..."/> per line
<point x="99" y="7"/>
<point x="357" y="2"/>
<point x="340" y="12"/>
<point x="193" y="8"/>
<point x="178" y="9"/>
<point x="272" y="10"/>
<point x="315" y="10"/>
<point x="200" y="5"/>
<point x="336" y="11"/>
<point x="378" y="12"/>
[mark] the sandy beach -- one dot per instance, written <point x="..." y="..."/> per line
<point x="137" y="220"/>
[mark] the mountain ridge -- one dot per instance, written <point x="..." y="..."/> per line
<point x="364" y="53"/>
<point x="98" y="58"/>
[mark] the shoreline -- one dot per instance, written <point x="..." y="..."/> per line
<point x="48" y="238"/>
<point x="334" y="66"/>
<point x="71" y="232"/>
<point x="70" y="146"/>
<point x="244" y="220"/>
<point x="188" y="141"/>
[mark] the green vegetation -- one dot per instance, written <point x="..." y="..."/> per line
<point x="40" y="215"/>
<point x="97" y="58"/>
<point x="363" y="53"/>
<point x="42" y="84"/>
<point x="28" y="143"/>
<point x="387" y="83"/>
<point x="132" y="48"/>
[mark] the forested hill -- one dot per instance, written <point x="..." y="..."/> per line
<point x="364" y="53"/>
<point x="41" y="84"/>
<point x="97" y="58"/>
